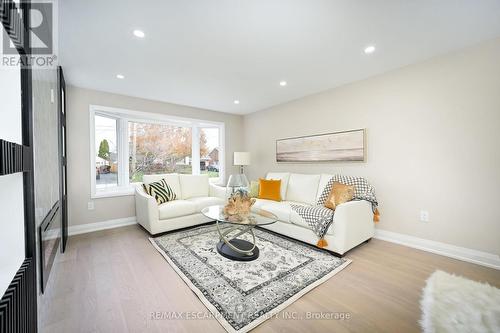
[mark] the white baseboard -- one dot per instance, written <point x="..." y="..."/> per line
<point x="461" y="253"/>
<point x="91" y="227"/>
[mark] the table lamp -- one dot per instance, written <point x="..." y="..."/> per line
<point x="239" y="181"/>
<point x="241" y="158"/>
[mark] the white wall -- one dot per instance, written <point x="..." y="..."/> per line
<point x="11" y="186"/>
<point x="433" y="136"/>
<point x="78" y="101"/>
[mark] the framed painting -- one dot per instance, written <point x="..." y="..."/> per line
<point x="330" y="147"/>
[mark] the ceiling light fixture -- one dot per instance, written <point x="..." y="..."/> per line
<point x="120" y="76"/>
<point x="139" y="33"/>
<point x="236" y="101"/>
<point x="283" y="83"/>
<point x="369" y="49"/>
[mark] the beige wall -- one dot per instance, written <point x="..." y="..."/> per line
<point x="78" y="101"/>
<point x="433" y="138"/>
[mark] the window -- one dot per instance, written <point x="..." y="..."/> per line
<point x="106" y="152"/>
<point x="158" y="148"/>
<point x="126" y="145"/>
<point x="209" y="151"/>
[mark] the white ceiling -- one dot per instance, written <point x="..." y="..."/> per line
<point x="207" y="53"/>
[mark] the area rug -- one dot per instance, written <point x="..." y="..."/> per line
<point x="455" y="304"/>
<point x="241" y="295"/>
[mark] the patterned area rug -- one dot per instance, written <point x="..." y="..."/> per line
<point x="241" y="295"/>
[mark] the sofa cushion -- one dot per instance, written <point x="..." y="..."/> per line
<point x="260" y="202"/>
<point x="302" y="188"/>
<point x="339" y="194"/>
<point x="284" y="176"/>
<point x="176" y="208"/>
<point x="280" y="209"/>
<point x="299" y="221"/>
<point x="295" y="218"/>
<point x="193" y="186"/>
<point x="202" y="202"/>
<point x="323" y="180"/>
<point x="172" y="180"/>
<point x="254" y="189"/>
<point x="270" y="189"/>
<point x="160" y="190"/>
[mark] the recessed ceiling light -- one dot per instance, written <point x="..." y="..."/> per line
<point x="120" y="76"/>
<point x="283" y="83"/>
<point x="369" y="49"/>
<point x="236" y="101"/>
<point x="139" y="33"/>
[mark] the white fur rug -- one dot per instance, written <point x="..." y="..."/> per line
<point x="455" y="304"/>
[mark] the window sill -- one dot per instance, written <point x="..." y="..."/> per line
<point x="113" y="193"/>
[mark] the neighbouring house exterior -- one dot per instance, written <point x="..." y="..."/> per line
<point x="214" y="158"/>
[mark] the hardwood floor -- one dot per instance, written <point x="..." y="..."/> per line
<point x="113" y="280"/>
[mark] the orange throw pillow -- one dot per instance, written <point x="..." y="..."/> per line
<point x="270" y="189"/>
<point x="340" y="193"/>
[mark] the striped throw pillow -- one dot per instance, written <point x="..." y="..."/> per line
<point x="160" y="190"/>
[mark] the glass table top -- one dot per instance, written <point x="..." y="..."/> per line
<point x="255" y="217"/>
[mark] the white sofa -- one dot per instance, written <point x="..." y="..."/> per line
<point x="352" y="221"/>
<point x="194" y="192"/>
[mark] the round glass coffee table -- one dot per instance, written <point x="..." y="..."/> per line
<point x="232" y="227"/>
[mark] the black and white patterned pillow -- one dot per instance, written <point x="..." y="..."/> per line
<point x="160" y="190"/>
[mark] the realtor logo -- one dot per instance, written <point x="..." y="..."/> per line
<point x="41" y="29"/>
<point x="42" y="34"/>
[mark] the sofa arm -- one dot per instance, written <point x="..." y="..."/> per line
<point x="146" y="209"/>
<point x="353" y="224"/>
<point x="217" y="191"/>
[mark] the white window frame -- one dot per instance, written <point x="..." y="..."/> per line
<point x="123" y="116"/>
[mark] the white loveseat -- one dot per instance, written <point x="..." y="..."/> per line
<point x="194" y="192"/>
<point x="352" y="221"/>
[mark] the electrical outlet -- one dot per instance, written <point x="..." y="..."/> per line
<point x="90" y="205"/>
<point x="424" y="216"/>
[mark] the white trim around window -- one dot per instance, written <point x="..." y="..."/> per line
<point x="123" y="116"/>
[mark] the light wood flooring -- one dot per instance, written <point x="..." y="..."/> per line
<point x="111" y="281"/>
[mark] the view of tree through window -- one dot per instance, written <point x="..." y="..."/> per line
<point x="158" y="148"/>
<point x="106" y="161"/>
<point x="209" y="152"/>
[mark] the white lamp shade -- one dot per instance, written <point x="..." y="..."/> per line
<point x="241" y="158"/>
